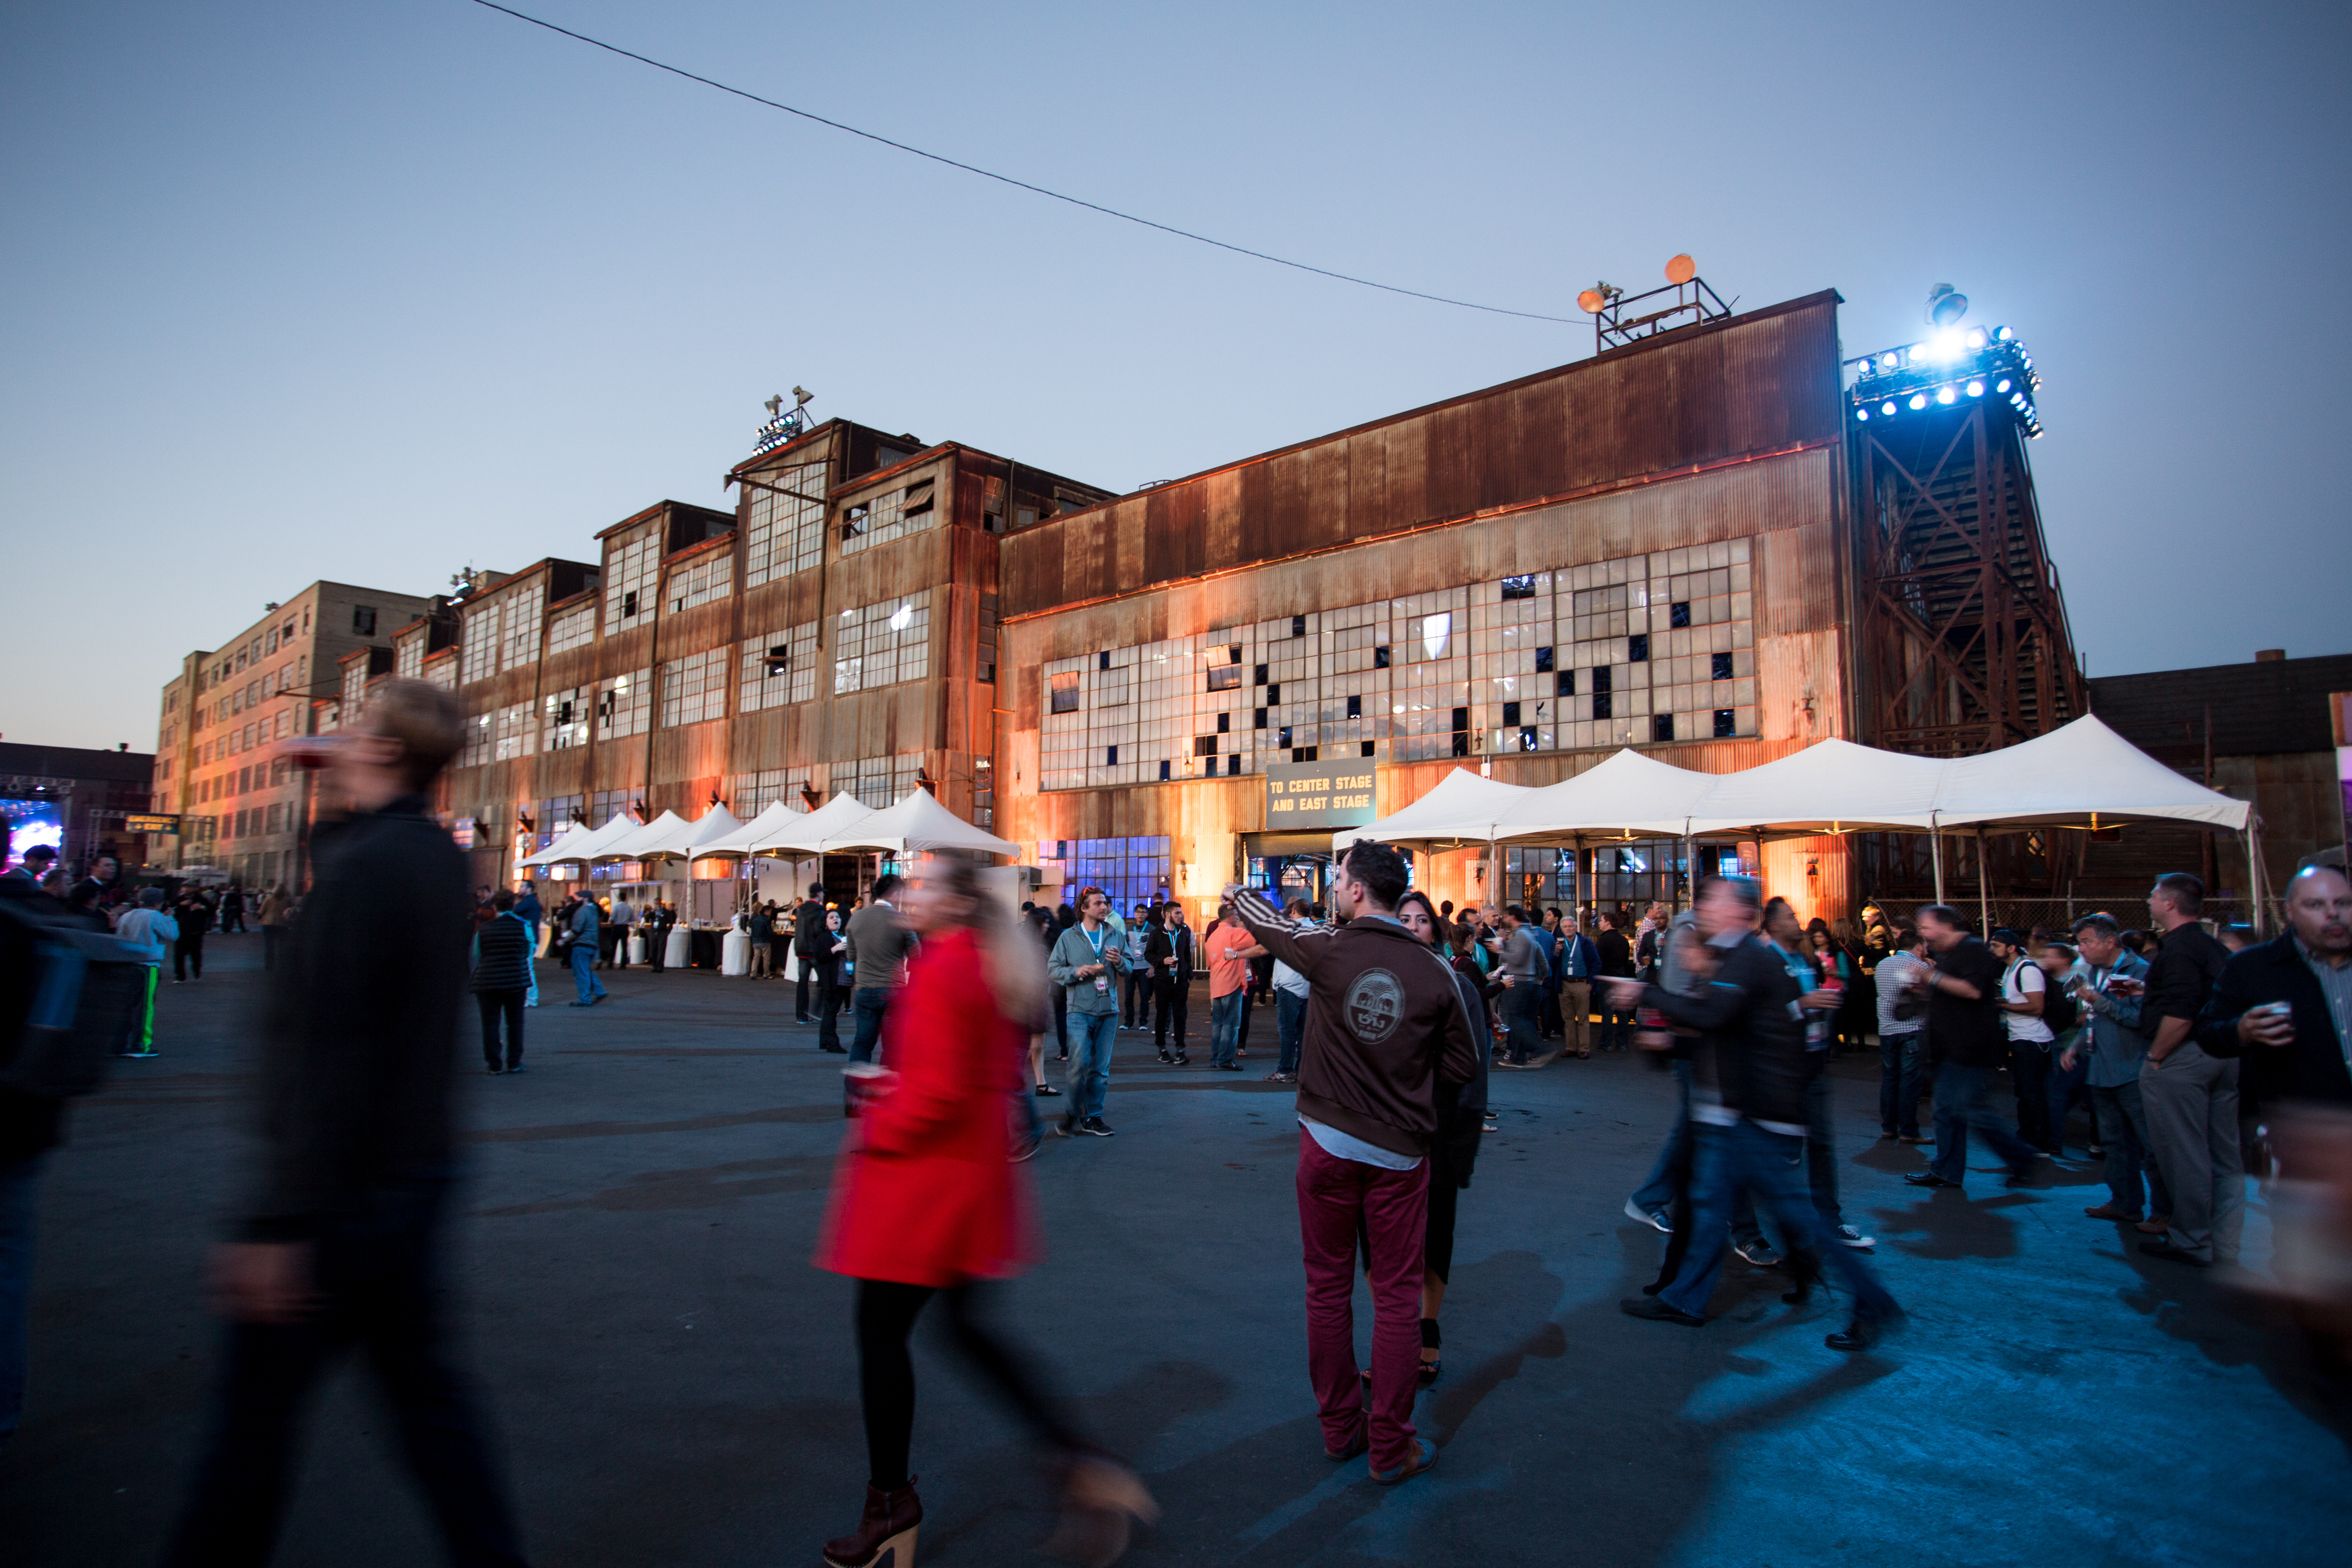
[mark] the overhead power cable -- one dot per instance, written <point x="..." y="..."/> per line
<point x="1022" y="184"/>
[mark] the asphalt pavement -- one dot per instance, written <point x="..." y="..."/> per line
<point x="674" y="1385"/>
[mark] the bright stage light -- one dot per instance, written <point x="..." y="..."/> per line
<point x="1976" y="338"/>
<point x="1861" y="415"/>
<point x="2002" y="333"/>
<point x="1943" y="394"/>
<point x="2001" y="385"/>
<point x="1949" y="345"/>
<point x="1918" y="400"/>
<point x="1975" y="389"/>
<point x="1889" y="359"/>
<point x="1887" y="408"/>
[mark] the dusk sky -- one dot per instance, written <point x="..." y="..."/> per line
<point x="369" y="293"/>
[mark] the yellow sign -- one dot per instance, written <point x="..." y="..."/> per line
<point x="1303" y="796"/>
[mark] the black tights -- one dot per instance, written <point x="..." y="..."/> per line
<point x="885" y="1374"/>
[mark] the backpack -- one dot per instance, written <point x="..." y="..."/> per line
<point x="2060" y="1010"/>
<point x="84" y="993"/>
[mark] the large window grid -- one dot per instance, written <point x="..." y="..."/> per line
<point x="442" y="672"/>
<point x="1131" y="870"/>
<point x="480" y="731"/>
<point x="711" y="578"/>
<point x="779" y="668"/>
<point x="784" y="534"/>
<point x="524" y="609"/>
<point x="517" y="733"/>
<point x="479" y="646"/>
<point x="748" y="794"/>
<point x="635" y="567"/>
<point x="557" y="814"/>
<point x="888" y="515"/>
<point x="882" y="644"/>
<point x="623" y="704"/>
<point x="694" y="688"/>
<point x="563" y="719"/>
<point x="1626" y="651"/>
<point x="408" y="657"/>
<point x="572" y="629"/>
<point x="879" y="782"/>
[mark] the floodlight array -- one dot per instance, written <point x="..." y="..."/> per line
<point x="1979" y="364"/>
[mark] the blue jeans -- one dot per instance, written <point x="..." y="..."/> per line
<point x="20" y="1186"/>
<point x="1658" y="1192"/>
<point x="1523" y="1022"/>
<point x="1225" y="1026"/>
<point x="2064" y="1089"/>
<point x="1769" y="1166"/>
<point x="530" y="962"/>
<point x="1290" y="1019"/>
<point x="1959" y="1106"/>
<point x="869" y="1003"/>
<point x="1091" y="1037"/>
<point x="583" y="971"/>
<point x="1901" y="1076"/>
<point x="2123" y="1132"/>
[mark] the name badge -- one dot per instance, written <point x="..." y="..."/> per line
<point x="1101" y="983"/>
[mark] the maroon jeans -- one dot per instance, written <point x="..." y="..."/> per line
<point x="1338" y="1202"/>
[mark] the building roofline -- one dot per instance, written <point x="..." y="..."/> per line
<point x="1681" y="335"/>
<point x="633" y="518"/>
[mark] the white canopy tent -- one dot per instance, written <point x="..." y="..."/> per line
<point x="777" y="819"/>
<point x="1624" y="793"/>
<point x="682" y="841"/>
<point x="1461" y="808"/>
<point x="2082" y="775"/>
<point x="807" y="835"/>
<point x="581" y="845"/>
<point x="918" y="824"/>
<point x="1830" y="787"/>
<point x="629" y="846"/>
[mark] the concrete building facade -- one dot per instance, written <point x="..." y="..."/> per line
<point x="244" y="812"/>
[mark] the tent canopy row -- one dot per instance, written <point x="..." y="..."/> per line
<point x="916" y="824"/>
<point x="2083" y="775"/>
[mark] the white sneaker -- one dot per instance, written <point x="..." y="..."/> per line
<point x="1846" y="1235"/>
<point x="1655" y="1217"/>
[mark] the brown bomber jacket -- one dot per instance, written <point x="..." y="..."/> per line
<point x="1384" y="1021"/>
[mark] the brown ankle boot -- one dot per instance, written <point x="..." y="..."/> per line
<point x="885" y="1538"/>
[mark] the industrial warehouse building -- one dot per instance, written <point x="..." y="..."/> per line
<point x="1717" y="539"/>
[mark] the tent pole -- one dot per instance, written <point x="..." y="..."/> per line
<point x="2254" y="880"/>
<point x="1984" y="887"/>
<point x="1935" y="854"/>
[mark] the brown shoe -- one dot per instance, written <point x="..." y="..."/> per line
<point x="1102" y="1502"/>
<point x="2154" y="1225"/>
<point x="888" y="1527"/>
<point x="2109" y="1211"/>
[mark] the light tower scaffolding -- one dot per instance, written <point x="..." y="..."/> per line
<point x="1964" y="644"/>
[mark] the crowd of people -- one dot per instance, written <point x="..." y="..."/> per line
<point x="2192" y="1065"/>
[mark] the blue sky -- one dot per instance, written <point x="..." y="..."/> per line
<point x="371" y="292"/>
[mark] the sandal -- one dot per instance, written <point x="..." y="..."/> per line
<point x="1429" y="1341"/>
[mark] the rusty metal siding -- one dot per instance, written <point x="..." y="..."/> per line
<point x="1756" y="384"/>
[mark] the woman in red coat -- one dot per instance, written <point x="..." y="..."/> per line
<point x="926" y="1200"/>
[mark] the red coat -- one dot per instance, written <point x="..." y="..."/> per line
<point x="926" y="1192"/>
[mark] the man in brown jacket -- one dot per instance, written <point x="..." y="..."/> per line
<point x="1384" y="1021"/>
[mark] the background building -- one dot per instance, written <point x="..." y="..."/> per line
<point x="2259" y="731"/>
<point x="78" y="801"/>
<point x="1656" y="547"/>
<point x="243" y="812"/>
<point x="835" y="632"/>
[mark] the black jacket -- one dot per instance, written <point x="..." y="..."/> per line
<point x="29" y="1122"/>
<point x="502" y="956"/>
<point x="1753" y="1056"/>
<point x="1616" y="954"/>
<point x="2311" y="1067"/>
<point x="359" y="1059"/>
<point x="1163" y="944"/>
<point x="808" y="930"/>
